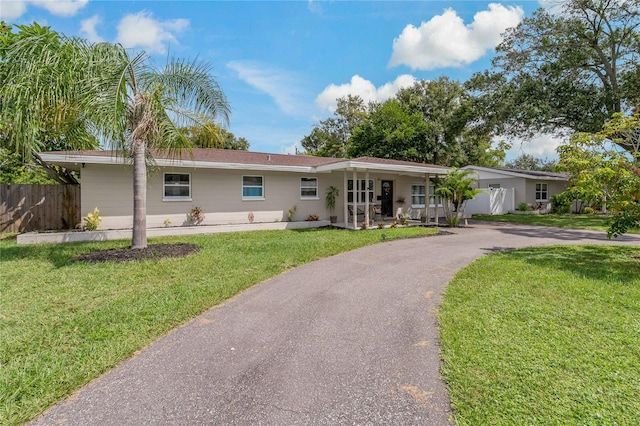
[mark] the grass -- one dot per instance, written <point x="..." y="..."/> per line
<point x="63" y="324"/>
<point x="575" y="221"/>
<point x="554" y="340"/>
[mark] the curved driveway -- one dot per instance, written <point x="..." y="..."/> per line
<point x="351" y="339"/>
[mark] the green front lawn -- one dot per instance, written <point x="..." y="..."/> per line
<point x="575" y="221"/>
<point x="62" y="324"/>
<point x="545" y="336"/>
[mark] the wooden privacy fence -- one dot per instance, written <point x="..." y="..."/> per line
<point x="25" y="208"/>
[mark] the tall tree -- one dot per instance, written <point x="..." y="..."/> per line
<point x="529" y="162"/>
<point x="431" y="121"/>
<point x="392" y="132"/>
<point x="40" y="102"/>
<point x="331" y="137"/>
<point x="571" y="68"/>
<point x="120" y="99"/>
<point x="141" y="108"/>
<point x="214" y="136"/>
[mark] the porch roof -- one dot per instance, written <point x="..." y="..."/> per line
<point x="527" y="174"/>
<point x="247" y="160"/>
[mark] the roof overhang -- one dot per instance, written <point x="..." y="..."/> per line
<point x="363" y="166"/>
<point x="520" y="174"/>
<point x="74" y="161"/>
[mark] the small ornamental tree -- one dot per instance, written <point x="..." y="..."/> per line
<point x="456" y="188"/>
<point x="602" y="175"/>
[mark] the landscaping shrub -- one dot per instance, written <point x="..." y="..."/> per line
<point x="561" y="203"/>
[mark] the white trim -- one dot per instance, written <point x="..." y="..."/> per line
<point x="372" y="167"/>
<point x="347" y="165"/>
<point x="255" y="197"/>
<point x="423" y="195"/>
<point x="521" y="174"/>
<point x="164" y="186"/>
<point x="303" y="197"/>
<point x="535" y="190"/>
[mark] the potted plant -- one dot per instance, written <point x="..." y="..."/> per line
<point x="330" y="202"/>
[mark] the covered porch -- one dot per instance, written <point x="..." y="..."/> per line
<point x="377" y="191"/>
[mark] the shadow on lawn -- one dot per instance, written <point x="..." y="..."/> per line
<point x="604" y="263"/>
<point x="59" y="255"/>
<point x="533" y="231"/>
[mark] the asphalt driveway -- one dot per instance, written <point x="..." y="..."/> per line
<point x="350" y="339"/>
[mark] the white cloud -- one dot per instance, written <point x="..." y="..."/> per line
<point x="363" y="88"/>
<point x="144" y="31"/>
<point x="88" y="29"/>
<point x="540" y="146"/>
<point x="61" y="7"/>
<point x="445" y="41"/>
<point x="314" y="7"/>
<point x="12" y="9"/>
<point x="292" y="149"/>
<point x="281" y="85"/>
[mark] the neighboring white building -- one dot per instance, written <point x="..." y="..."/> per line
<point x="504" y="189"/>
<point x="233" y="187"/>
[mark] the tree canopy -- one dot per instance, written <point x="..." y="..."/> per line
<point x="71" y="92"/>
<point x="214" y="136"/>
<point x="40" y="100"/>
<point x="331" y="137"/>
<point x="603" y="177"/>
<point x="432" y="122"/>
<point x="529" y="162"/>
<point x="564" y="69"/>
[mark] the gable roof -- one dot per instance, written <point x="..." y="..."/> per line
<point x="527" y="174"/>
<point x="246" y="160"/>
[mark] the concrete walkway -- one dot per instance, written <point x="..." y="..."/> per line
<point x="350" y="339"/>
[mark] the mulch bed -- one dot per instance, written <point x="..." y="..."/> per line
<point x="152" y="252"/>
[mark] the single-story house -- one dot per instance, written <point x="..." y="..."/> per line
<point x="505" y="189"/>
<point x="233" y="187"/>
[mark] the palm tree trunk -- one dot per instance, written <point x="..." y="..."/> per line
<point x="139" y="238"/>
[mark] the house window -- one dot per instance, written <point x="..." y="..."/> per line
<point x="309" y="188"/>
<point x="177" y="187"/>
<point x="432" y="197"/>
<point x="542" y="192"/>
<point x="252" y="188"/>
<point x="362" y="189"/>
<point x="417" y="196"/>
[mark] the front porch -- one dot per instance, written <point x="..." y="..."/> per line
<point x="388" y="194"/>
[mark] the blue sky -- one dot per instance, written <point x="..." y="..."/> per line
<point x="283" y="63"/>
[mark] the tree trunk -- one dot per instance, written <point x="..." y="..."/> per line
<point x="139" y="238"/>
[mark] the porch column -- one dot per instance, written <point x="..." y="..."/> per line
<point x="366" y="198"/>
<point x="345" y="198"/>
<point x="426" y="197"/>
<point x="435" y="201"/>
<point x="354" y="210"/>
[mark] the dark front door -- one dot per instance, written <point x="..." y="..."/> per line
<point x="386" y="201"/>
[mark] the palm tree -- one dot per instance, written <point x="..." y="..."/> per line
<point x="84" y="93"/>
<point x="455" y="188"/>
<point x="40" y="102"/>
<point x="141" y="109"/>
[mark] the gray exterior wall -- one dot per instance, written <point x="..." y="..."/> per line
<point x="219" y="194"/>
